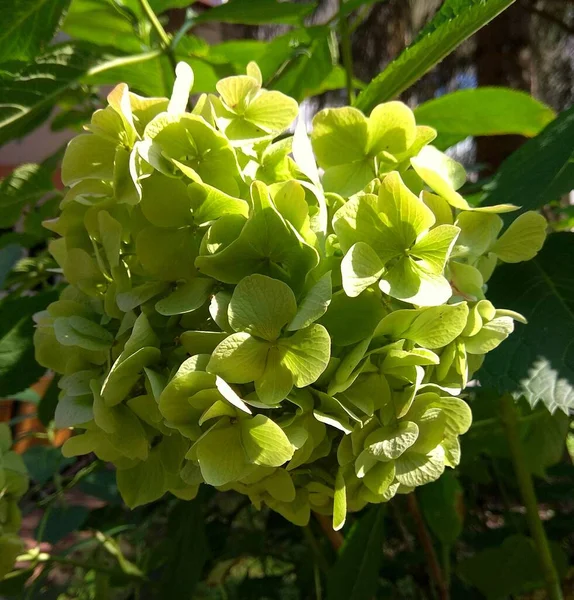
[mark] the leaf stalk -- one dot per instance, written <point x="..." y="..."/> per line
<point x="509" y="419"/>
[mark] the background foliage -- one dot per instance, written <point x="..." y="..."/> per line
<point x="472" y="533"/>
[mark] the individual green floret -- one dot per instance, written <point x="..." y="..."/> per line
<point x="354" y="149"/>
<point x="390" y="239"/>
<point x="269" y="347"/>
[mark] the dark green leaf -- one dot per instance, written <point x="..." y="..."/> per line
<point x="28" y="92"/>
<point x="9" y="256"/>
<point x="189" y="550"/>
<point x="28" y="26"/>
<point x="43" y="462"/>
<point x="540" y="171"/>
<point x="63" y="520"/>
<point x="350" y="320"/>
<point x="483" y="111"/>
<point x="456" y="21"/>
<point x="537" y="360"/>
<point x="13" y="585"/>
<point x="355" y="574"/>
<point x="18" y="369"/>
<point x="442" y="505"/>
<point x="47" y="404"/>
<point x="543" y="435"/>
<point x="311" y="63"/>
<point x="544" y="441"/>
<point x="27" y="183"/>
<point x="512" y="568"/>
<point x="257" y="12"/>
<point x="20" y="239"/>
<point x="101" y="484"/>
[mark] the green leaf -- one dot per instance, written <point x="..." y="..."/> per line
<point x="433" y="327"/>
<point x="339" y="502"/>
<point x="307" y="354"/>
<point x="25" y="184"/>
<point x="314" y="305"/>
<point x="536" y="361"/>
<point x="73" y="410"/>
<point x="239" y="358"/>
<point x="188" y="551"/>
<point x="355" y="574"/>
<point x="544" y="439"/>
<point x="9" y="256"/>
<point x="350" y="320"/>
<point x="220" y="468"/>
<point x="18" y="369"/>
<point x="414" y="469"/>
<point x="277" y="380"/>
<point x="257" y="12"/>
<point x="339" y="136"/>
<point x="265" y="443"/>
<point x="103" y="23"/>
<point x="311" y="63"/>
<point x="442" y="505"/>
<point x="160" y="250"/>
<point x="389" y="443"/>
<point x="266" y="244"/>
<point x="43" y="462"/>
<point x="261" y="306"/>
<point x="81" y="332"/>
<point x="523" y="239"/>
<point x="511" y="569"/>
<point x="456" y="21"/>
<point x="63" y="520"/>
<point x="11" y="546"/>
<point x="360" y="268"/>
<point x="483" y="111"/>
<point x="28" y="27"/>
<point x="176" y="212"/>
<point x="28" y="92"/>
<point x="144" y="483"/>
<point x="187" y="297"/>
<point x="540" y="171"/>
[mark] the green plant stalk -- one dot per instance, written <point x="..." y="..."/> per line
<point x="164" y="38"/>
<point x="526" y="486"/>
<point x="320" y="559"/>
<point x="346" y="54"/>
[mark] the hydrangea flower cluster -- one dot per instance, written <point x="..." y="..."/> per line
<point x="290" y="318"/>
<point x="13" y="485"/>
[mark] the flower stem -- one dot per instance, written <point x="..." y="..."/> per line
<point x="164" y="38"/>
<point x="509" y="418"/>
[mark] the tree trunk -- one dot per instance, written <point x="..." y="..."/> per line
<point x="503" y="58"/>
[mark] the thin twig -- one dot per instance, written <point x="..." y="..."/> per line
<point x="435" y="570"/>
